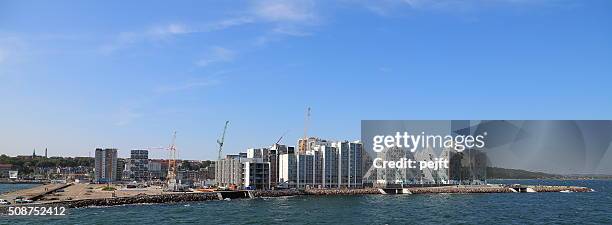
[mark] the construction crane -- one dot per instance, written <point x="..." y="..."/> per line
<point x="222" y="140"/>
<point x="281" y="137"/>
<point x="172" y="158"/>
<point x="304" y="141"/>
<point x="172" y="170"/>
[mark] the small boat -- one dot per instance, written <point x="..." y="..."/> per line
<point x="566" y="191"/>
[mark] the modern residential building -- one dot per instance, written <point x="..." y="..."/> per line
<point x="331" y="165"/>
<point x="229" y="170"/>
<point x="258" y="153"/>
<point x="324" y="165"/>
<point x="245" y="170"/>
<point x="311" y="142"/>
<point x="139" y="165"/>
<point x="305" y="170"/>
<point x="256" y="174"/>
<point x="155" y="170"/>
<point x="273" y="158"/>
<point x="287" y="168"/>
<point x="158" y="169"/>
<point x="105" y="165"/>
<point x="350" y="163"/>
<point x="330" y="170"/>
<point x="120" y="168"/>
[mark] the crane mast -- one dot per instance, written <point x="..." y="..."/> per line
<point x="222" y="140"/>
<point x="304" y="142"/>
<point x="171" y="178"/>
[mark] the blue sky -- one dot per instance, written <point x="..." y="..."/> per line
<point x="79" y="75"/>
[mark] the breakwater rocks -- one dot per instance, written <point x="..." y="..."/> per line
<point x="364" y="191"/>
<point x="458" y="189"/>
<point x="141" y="199"/>
<point x="495" y="189"/>
<point x="281" y="193"/>
<point x="560" y="189"/>
<point x="276" y="193"/>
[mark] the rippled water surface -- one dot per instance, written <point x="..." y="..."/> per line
<point x="502" y="208"/>
<point x="12" y="187"/>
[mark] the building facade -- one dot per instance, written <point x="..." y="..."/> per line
<point x="256" y="174"/>
<point x="106" y="165"/>
<point x="350" y="164"/>
<point x="287" y="168"/>
<point x="330" y="170"/>
<point x="324" y="165"/>
<point x="229" y="171"/>
<point x="139" y="165"/>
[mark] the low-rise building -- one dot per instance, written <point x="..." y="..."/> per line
<point x="4" y="170"/>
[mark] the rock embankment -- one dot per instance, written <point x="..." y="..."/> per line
<point x="459" y="189"/>
<point x="560" y="188"/>
<point x="141" y="199"/>
<point x="280" y="193"/>
<point x="276" y="193"/>
<point x="364" y="191"/>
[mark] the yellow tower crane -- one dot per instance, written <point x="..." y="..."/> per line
<point x="304" y="141"/>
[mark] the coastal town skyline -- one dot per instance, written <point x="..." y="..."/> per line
<point x="305" y="112"/>
<point x="103" y="75"/>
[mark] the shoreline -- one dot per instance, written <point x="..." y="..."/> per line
<point x="179" y="197"/>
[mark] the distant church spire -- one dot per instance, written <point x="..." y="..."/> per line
<point x="34" y="153"/>
<point x="45" y="152"/>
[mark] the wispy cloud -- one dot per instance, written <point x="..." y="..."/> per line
<point x="285" y="11"/>
<point x="389" y="7"/>
<point x="170" y="29"/>
<point x="135" y="109"/>
<point x="191" y="84"/>
<point x="291" y="31"/>
<point x="287" y="17"/>
<point x="165" y="32"/>
<point x="217" y="55"/>
<point x="153" y="34"/>
<point x="228" y="23"/>
<point x="126" y="115"/>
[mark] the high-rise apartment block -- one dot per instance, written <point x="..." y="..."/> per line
<point x="106" y="165"/>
